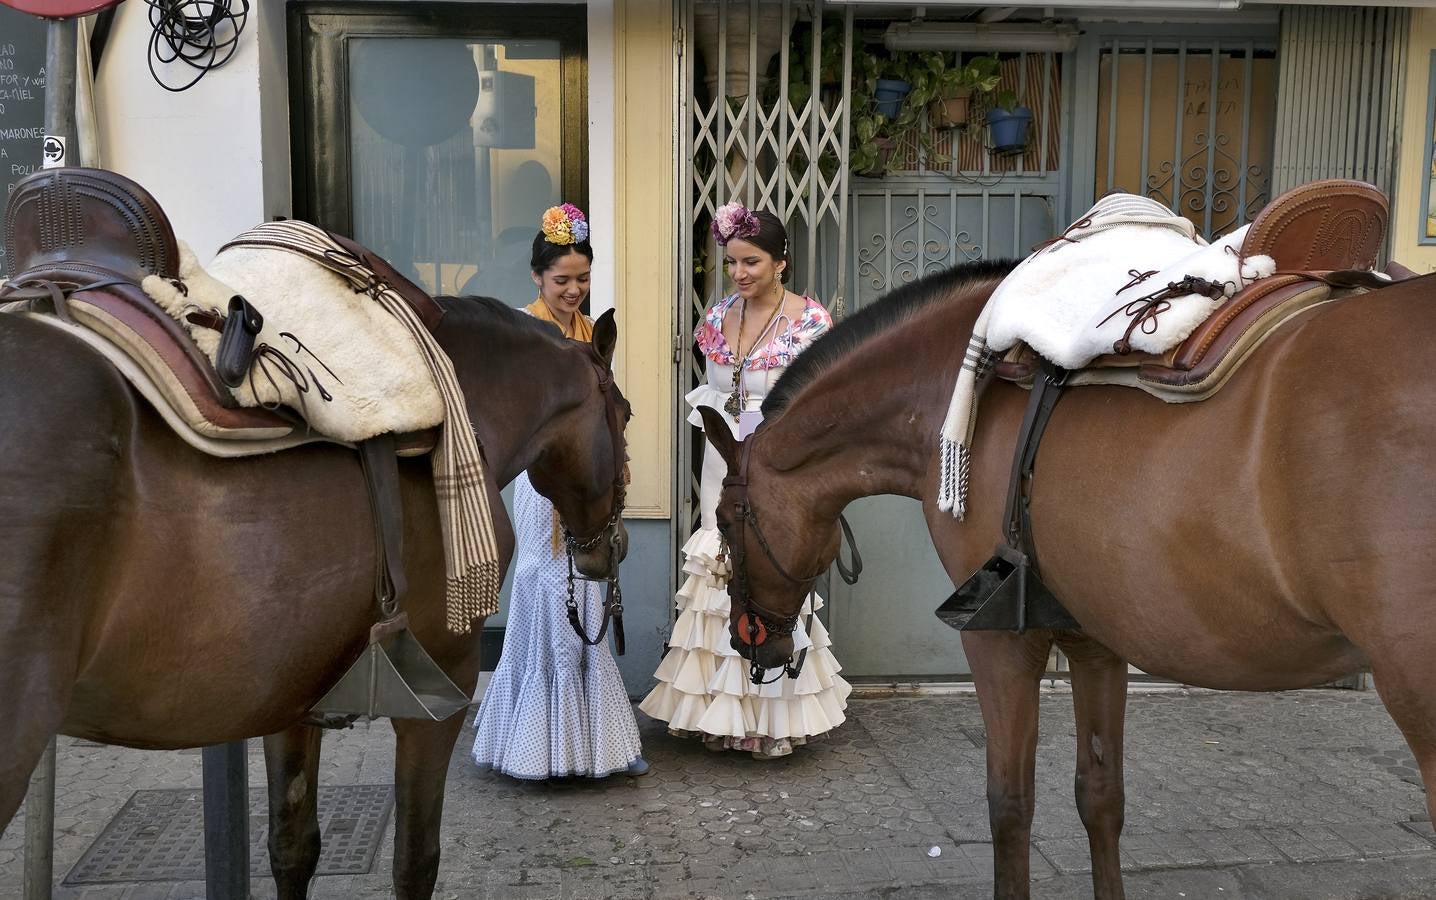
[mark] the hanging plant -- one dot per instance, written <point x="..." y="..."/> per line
<point x="957" y="85"/>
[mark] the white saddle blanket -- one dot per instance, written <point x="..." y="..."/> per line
<point x="334" y="356"/>
<point x="1087" y="294"/>
<point x="1075" y="299"/>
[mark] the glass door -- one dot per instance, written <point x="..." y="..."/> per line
<point x="437" y="135"/>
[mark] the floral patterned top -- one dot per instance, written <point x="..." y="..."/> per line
<point x="779" y="349"/>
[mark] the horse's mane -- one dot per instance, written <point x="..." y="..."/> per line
<point x="877" y="318"/>
<point x="496" y="314"/>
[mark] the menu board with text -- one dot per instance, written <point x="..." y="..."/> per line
<point x="22" y="100"/>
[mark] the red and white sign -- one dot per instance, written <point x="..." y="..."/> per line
<point x="60" y="9"/>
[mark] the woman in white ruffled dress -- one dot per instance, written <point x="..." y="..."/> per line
<point x="555" y="707"/>
<point x="703" y="685"/>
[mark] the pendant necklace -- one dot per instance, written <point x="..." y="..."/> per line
<point x="734" y="405"/>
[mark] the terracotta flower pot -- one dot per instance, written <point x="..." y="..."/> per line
<point x="950" y="111"/>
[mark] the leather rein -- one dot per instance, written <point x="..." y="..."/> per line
<point x="757" y="622"/>
<point x="609" y="530"/>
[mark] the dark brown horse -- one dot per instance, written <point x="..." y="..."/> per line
<point x="155" y="597"/>
<point x="1275" y="536"/>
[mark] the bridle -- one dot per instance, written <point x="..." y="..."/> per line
<point x="757" y="622"/>
<point x="609" y="530"/>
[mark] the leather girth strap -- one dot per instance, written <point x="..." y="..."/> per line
<point x="1046" y="390"/>
<point x="379" y="458"/>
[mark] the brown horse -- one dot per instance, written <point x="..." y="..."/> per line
<point x="152" y="596"/>
<point x="1275" y="536"/>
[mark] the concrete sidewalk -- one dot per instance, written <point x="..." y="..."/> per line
<point x="1308" y="794"/>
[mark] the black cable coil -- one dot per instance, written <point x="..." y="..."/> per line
<point x="202" y="34"/>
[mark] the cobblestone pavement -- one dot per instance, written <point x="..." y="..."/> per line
<point x="1308" y="794"/>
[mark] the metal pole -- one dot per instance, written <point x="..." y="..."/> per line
<point x="40" y="827"/>
<point x="61" y="43"/>
<point x="61" y="143"/>
<point x="226" y="822"/>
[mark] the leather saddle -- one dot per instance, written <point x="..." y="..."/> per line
<point x="95" y="235"/>
<point x="1325" y="236"/>
<point x="91" y="236"/>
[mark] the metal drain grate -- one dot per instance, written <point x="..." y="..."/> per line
<point x="159" y="835"/>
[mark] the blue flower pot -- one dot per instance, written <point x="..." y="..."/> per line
<point x="889" y="94"/>
<point x="1009" y="129"/>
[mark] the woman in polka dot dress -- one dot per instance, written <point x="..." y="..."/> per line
<point x="555" y="707"/>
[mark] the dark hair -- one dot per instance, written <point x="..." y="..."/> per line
<point x="546" y="253"/>
<point x="772" y="239"/>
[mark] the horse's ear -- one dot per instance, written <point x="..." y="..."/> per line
<point x="605" y="337"/>
<point x="719" y="434"/>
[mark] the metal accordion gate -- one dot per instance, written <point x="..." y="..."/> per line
<point x="775" y="142"/>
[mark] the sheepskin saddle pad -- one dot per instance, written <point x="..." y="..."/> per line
<point x="1129" y="275"/>
<point x="326" y="352"/>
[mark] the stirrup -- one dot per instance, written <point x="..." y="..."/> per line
<point x="394" y="678"/>
<point x="1006" y="594"/>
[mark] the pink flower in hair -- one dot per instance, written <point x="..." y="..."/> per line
<point x="734" y="220"/>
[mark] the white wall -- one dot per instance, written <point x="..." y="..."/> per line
<point x="601" y="214"/>
<point x="215" y="156"/>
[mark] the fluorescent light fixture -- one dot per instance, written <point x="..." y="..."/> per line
<point x="997" y="37"/>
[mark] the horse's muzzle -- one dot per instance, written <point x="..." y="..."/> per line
<point x="772" y="653"/>
<point x="602" y="560"/>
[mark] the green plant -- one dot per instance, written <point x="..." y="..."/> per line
<point x="1007" y="100"/>
<point x="870" y="140"/>
<point x="931" y="75"/>
<point x="874" y="135"/>
<point x="800" y="63"/>
<point x="980" y="75"/>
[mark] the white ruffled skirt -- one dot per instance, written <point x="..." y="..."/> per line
<point x="703" y="685"/>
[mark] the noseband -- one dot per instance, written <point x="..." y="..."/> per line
<point x="756" y="622"/>
<point x="609" y="530"/>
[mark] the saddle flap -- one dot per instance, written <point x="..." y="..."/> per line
<point x="1336" y="223"/>
<point x="77" y="225"/>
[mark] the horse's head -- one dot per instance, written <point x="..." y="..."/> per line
<point x="583" y="467"/>
<point x="548" y="406"/>
<point x="775" y="549"/>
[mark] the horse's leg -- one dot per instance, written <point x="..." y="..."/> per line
<point x="291" y="762"/>
<point x="1099" y="696"/>
<point x="37" y="668"/>
<point x="1007" y="669"/>
<point x="421" y="767"/>
<point x="20" y="749"/>
<point x="1403" y="680"/>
